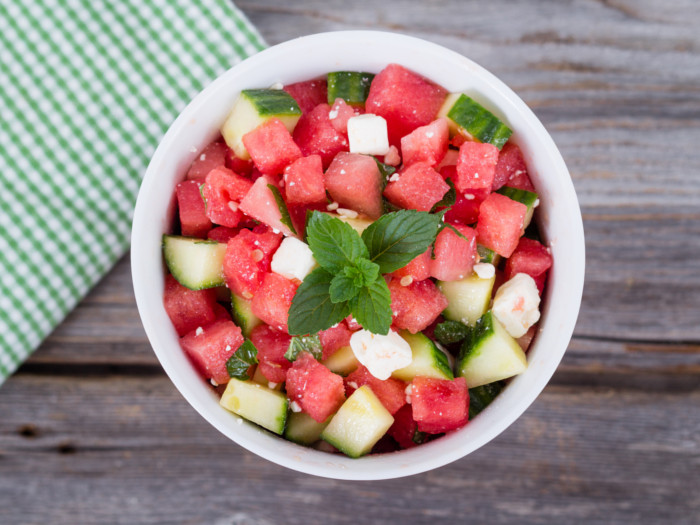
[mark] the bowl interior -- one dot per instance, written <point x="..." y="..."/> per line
<point x="305" y="58"/>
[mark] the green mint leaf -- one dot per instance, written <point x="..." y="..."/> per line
<point x="334" y="243"/>
<point x="368" y="270"/>
<point x="306" y="343"/>
<point x="455" y="231"/>
<point x="312" y="309"/>
<point x="449" y="199"/>
<point x="343" y="288"/>
<point x="385" y="170"/>
<point x="372" y="307"/>
<point x="451" y="332"/>
<point x="237" y="365"/>
<point x="397" y="238"/>
<point x="201" y="193"/>
<point x="286" y="219"/>
<point x="348" y="283"/>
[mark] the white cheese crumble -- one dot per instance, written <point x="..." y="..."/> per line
<point x="293" y="259"/>
<point x="295" y="406"/>
<point x="333" y="113"/>
<point x="516" y="304"/>
<point x="484" y="270"/>
<point x="408" y="391"/>
<point x="381" y="354"/>
<point x="469" y="196"/>
<point x="213" y="383"/>
<point x="352" y="384"/>
<point x="344" y="212"/>
<point x="277" y="85"/>
<point x="394" y="177"/>
<point x="368" y="135"/>
<point x="271" y="385"/>
<point x="199" y="331"/>
<point x="332" y="206"/>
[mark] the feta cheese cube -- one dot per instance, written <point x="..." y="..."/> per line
<point x="293" y="259"/>
<point x="516" y="304"/>
<point x="368" y="134"/>
<point x="484" y="270"/>
<point x="381" y="354"/>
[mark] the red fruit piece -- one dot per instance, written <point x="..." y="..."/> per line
<point x="187" y="309"/>
<point x="222" y="233"/>
<point x="339" y="115"/>
<point x="238" y="165"/>
<point x="316" y="135"/>
<point x="405" y="99"/>
<point x="439" y="405"/>
<point x="260" y="204"/>
<point x="271" y="345"/>
<point x="224" y="190"/>
<point x="426" y="144"/>
<point x="419" y="187"/>
<point x="530" y="257"/>
<point x="510" y="162"/>
<point x="415" y="306"/>
<point x="272" y="300"/>
<point x="212" y="156"/>
<point x="309" y="93"/>
<point x="318" y="391"/>
<point x="334" y="338"/>
<point x="303" y="181"/>
<point x="454" y="256"/>
<point x="212" y="346"/>
<point x="418" y="269"/>
<point x="391" y="392"/>
<point x="404" y="427"/>
<point x="247" y="259"/>
<point x="354" y="182"/>
<point x="500" y="223"/>
<point x="193" y="217"/>
<point x="476" y="166"/>
<point x="271" y="147"/>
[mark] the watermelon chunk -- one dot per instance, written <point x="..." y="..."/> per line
<point x="223" y="191"/>
<point x="260" y="204"/>
<point x="188" y="309"/>
<point x="309" y="93"/>
<point x="511" y="169"/>
<point x="271" y="147"/>
<point x="193" y="216"/>
<point x="272" y="300"/>
<point x="454" y="256"/>
<point x="532" y="258"/>
<point x="334" y="338"/>
<point x="426" y="144"/>
<point x="391" y="392"/>
<point x="419" y="187"/>
<point x="418" y="269"/>
<point x="247" y="259"/>
<point x="318" y="391"/>
<point x="353" y="325"/>
<point x="354" y="182"/>
<point x="500" y="223"/>
<point x="222" y="233"/>
<point x="405" y="99"/>
<point x="439" y="405"/>
<point x="340" y="113"/>
<point x="237" y="164"/>
<point x="476" y="166"/>
<point x="303" y="181"/>
<point x="404" y="427"/>
<point x="415" y="306"/>
<point x="221" y="312"/>
<point x="212" y="156"/>
<point x="212" y="346"/>
<point x="271" y="346"/>
<point x="465" y="210"/>
<point x="316" y="135"/>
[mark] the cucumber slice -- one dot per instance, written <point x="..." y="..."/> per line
<point x="342" y="361"/>
<point x="470" y="118"/>
<point x="486" y="255"/>
<point x="481" y="396"/>
<point x="428" y="359"/>
<point x="195" y="263"/>
<point x="358" y="224"/>
<point x="242" y="314"/>
<point x="351" y="86"/>
<point x="359" y="423"/>
<point x="303" y="429"/>
<point x="254" y="107"/>
<point x="467" y="299"/>
<point x="256" y="403"/>
<point x="528" y="198"/>
<point x="490" y="354"/>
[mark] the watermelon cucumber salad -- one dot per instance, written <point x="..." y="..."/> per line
<point x="354" y="267"/>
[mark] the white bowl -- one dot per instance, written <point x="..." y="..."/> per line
<point x="559" y="219"/>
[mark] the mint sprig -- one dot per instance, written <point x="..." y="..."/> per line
<point x="312" y="309"/>
<point x="334" y="243"/>
<point x="237" y="365"/>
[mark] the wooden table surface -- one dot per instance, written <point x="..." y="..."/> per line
<point x="92" y="431"/>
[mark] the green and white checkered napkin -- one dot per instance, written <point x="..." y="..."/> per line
<point x="87" y="89"/>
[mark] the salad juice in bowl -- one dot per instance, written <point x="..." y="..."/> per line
<point x="358" y="255"/>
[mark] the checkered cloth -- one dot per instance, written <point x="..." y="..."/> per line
<point x="87" y="89"/>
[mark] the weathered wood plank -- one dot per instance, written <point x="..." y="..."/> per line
<point x="124" y="450"/>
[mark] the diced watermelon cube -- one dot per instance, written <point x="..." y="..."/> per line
<point x="247" y="259"/>
<point x="309" y="93"/>
<point x="405" y="99"/>
<point x="212" y="156"/>
<point x="476" y="166"/>
<point x="260" y="204"/>
<point x="465" y="210"/>
<point x="315" y="135"/>
<point x="334" y="338"/>
<point x="426" y="144"/>
<point x="222" y="233"/>
<point x="511" y="169"/>
<point x="271" y="346"/>
<point x="500" y="223"/>
<point x="391" y="392"/>
<point x="272" y="300"/>
<point x="454" y="256"/>
<point x="224" y="190"/>
<point x="221" y="312"/>
<point x="439" y="405"/>
<point x="530" y="257"/>
<point x="212" y="346"/>
<point x="318" y="391"/>
<point x="354" y="182"/>
<point x="271" y="147"/>
<point x="340" y="113"/>
<point x="193" y="216"/>
<point x="418" y="269"/>
<point x="416" y="306"/>
<point x="188" y="309"/>
<point x="419" y="187"/>
<point x="303" y="181"/>
<point x="238" y="165"/>
<point x="404" y="427"/>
